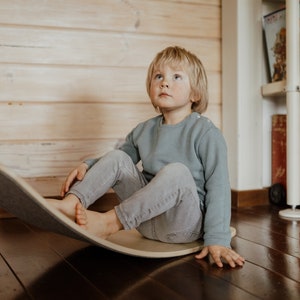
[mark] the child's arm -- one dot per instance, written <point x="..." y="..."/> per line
<point x="217" y="237"/>
<point x="77" y="174"/>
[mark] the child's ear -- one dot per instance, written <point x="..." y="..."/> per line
<point x="193" y="98"/>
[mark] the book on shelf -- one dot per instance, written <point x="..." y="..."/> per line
<point x="279" y="149"/>
<point x="275" y="41"/>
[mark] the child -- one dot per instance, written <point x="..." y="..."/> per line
<point x="183" y="192"/>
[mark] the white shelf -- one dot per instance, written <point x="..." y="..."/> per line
<point x="290" y="87"/>
<point x="277" y="88"/>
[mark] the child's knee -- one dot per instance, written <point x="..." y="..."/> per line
<point x="116" y="154"/>
<point x="177" y="170"/>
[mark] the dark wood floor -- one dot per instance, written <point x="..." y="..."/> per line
<point x="35" y="264"/>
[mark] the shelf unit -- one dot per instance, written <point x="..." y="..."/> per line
<point x="290" y="88"/>
<point x="277" y="88"/>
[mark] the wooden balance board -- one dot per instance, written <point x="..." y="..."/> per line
<point x="22" y="201"/>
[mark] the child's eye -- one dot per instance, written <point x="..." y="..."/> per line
<point x="177" y="77"/>
<point x="158" y="76"/>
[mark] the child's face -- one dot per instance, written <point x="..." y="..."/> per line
<point x="170" y="89"/>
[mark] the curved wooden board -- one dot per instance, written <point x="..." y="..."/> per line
<point x="21" y="200"/>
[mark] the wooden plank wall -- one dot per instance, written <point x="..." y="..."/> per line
<point x="72" y="75"/>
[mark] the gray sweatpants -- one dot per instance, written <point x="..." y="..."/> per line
<point x="166" y="209"/>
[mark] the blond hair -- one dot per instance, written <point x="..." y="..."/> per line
<point x="194" y="68"/>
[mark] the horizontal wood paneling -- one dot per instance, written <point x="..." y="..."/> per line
<point x="60" y="83"/>
<point x="154" y="17"/>
<point x="23" y="83"/>
<point x="72" y="75"/>
<point x="52" y="158"/>
<point x="55" y="121"/>
<point x="96" y="48"/>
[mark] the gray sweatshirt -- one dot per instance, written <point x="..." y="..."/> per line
<point x="197" y="143"/>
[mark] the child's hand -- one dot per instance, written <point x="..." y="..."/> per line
<point x="221" y="253"/>
<point x="77" y="174"/>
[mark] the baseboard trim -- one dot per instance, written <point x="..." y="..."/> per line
<point x="249" y="198"/>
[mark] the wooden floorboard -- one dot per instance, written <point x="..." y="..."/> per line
<point x="10" y="286"/>
<point x="35" y="264"/>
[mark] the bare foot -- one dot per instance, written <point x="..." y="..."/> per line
<point x="99" y="224"/>
<point x="66" y="206"/>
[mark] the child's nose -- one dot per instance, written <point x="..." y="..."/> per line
<point x="164" y="84"/>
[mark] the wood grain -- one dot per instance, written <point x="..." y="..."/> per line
<point x="72" y="75"/>
<point x="40" y="83"/>
<point x="179" y="17"/>
<point x="35" y="263"/>
<point x="93" y="48"/>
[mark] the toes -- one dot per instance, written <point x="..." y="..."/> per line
<point x="80" y="215"/>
